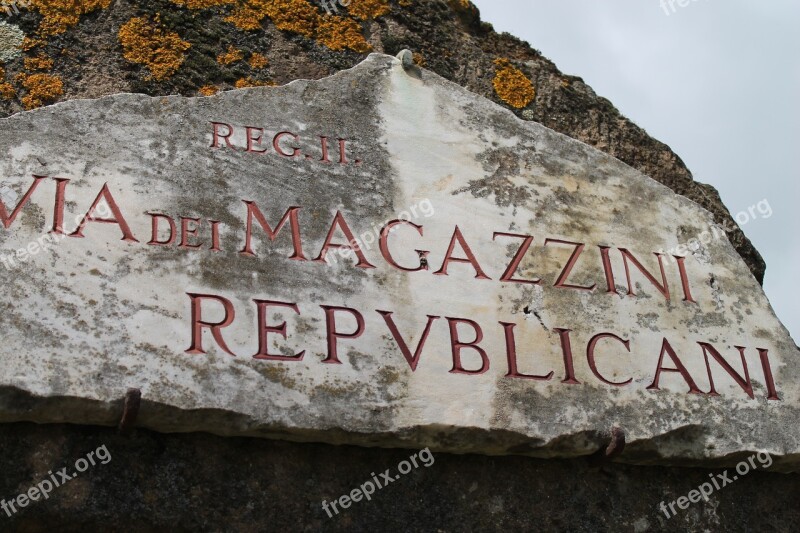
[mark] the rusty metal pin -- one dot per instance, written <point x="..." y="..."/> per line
<point x="614" y="448"/>
<point x="130" y="410"/>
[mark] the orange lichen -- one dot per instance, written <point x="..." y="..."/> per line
<point x="511" y="85"/>
<point x="418" y="59"/>
<point x="296" y="16"/>
<point x="41" y="89"/>
<point x="7" y="91"/>
<point x="368" y="9"/>
<point x="258" y="61"/>
<point x="232" y="55"/>
<point x="208" y="90"/>
<point x="242" y="83"/>
<point x="40" y="62"/>
<point x="148" y="43"/>
<point x="29" y="43"/>
<point x="338" y="33"/>
<point x="58" y="15"/>
<point x="202" y="4"/>
<point x="245" y="18"/>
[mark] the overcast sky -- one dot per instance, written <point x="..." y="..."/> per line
<point x="716" y="80"/>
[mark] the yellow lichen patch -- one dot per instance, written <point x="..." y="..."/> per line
<point x="202" y="4"/>
<point x="258" y="61"/>
<point x="7" y="91"/>
<point x="41" y="89"/>
<point x="245" y="18"/>
<point x="58" y="15"/>
<point x="29" y="43"/>
<point x="296" y="16"/>
<point x="338" y="33"/>
<point x="242" y="83"/>
<point x="232" y="55"/>
<point x="418" y="59"/>
<point x="368" y="9"/>
<point x="405" y="3"/>
<point x="208" y="90"/>
<point x="40" y="62"/>
<point x="511" y="85"/>
<point x="148" y="43"/>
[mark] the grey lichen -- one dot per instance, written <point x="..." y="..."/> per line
<point x="10" y="41"/>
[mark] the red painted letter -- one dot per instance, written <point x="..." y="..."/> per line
<point x="662" y="287"/>
<point x="216" y="327"/>
<point x="384" y="245"/>
<point x="744" y="383"/>
<point x="667" y="349"/>
<point x="457" y="345"/>
<point x="118" y="219"/>
<point x="459" y="238"/>
<point x="508" y="275"/>
<point x="9" y="219"/>
<point x="593" y="364"/>
<point x="401" y="343"/>
<point x="511" y="355"/>
<point x="264" y="330"/>
<point x="154" y="237"/>
<point x="570" y="265"/>
<point x="352" y="245"/>
<point x="216" y="136"/>
<point x="290" y="215"/>
<point x="333" y="335"/>
<point x="566" y="351"/>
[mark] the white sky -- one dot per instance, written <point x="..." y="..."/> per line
<point x="716" y="80"/>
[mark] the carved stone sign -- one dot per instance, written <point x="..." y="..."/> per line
<point x="377" y="258"/>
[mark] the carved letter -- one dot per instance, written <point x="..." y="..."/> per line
<point x="333" y="335"/>
<point x="118" y="219"/>
<point x="216" y="327"/>
<point x="457" y="345"/>
<point x="9" y="219"/>
<point x="511" y="355"/>
<point x="570" y="265"/>
<point x="290" y="215"/>
<point x="401" y="343"/>
<point x="593" y="364"/>
<point x="458" y="237"/>
<point x="264" y="330"/>
<point x="508" y="275"/>
<point x="667" y="349"/>
<point x="387" y="255"/>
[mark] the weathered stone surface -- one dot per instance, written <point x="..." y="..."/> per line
<point x="92" y="316"/>
<point x="448" y="36"/>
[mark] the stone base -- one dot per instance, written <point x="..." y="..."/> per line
<point x="200" y="482"/>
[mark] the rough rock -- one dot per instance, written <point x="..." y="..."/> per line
<point x="91" y="315"/>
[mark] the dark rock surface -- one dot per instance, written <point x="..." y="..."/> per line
<point x="200" y="482"/>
